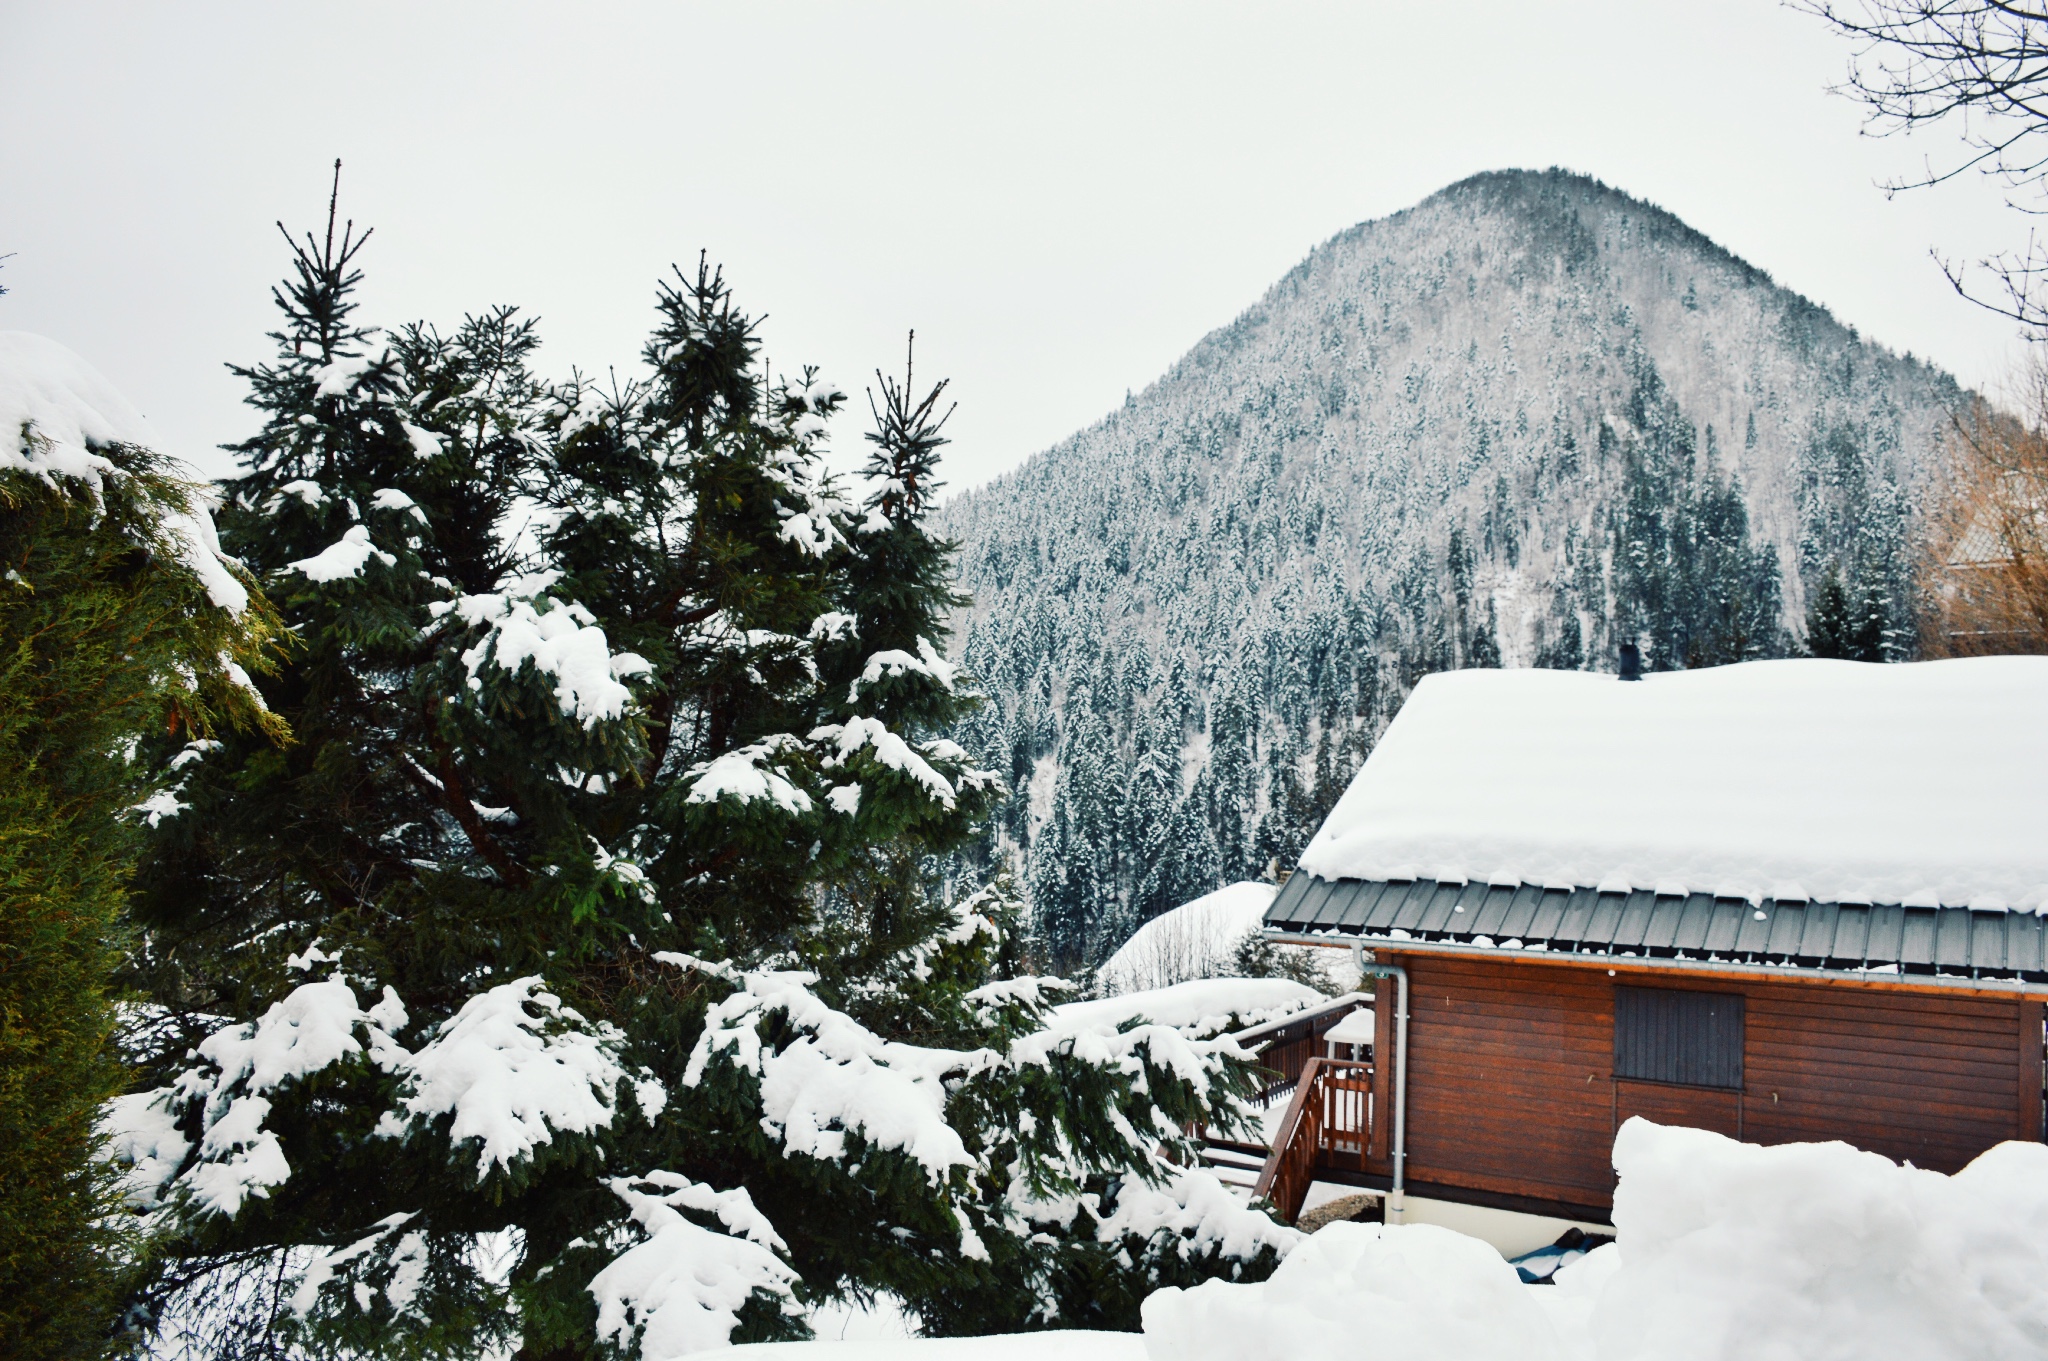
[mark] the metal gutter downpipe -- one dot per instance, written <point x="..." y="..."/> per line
<point x="1397" y="1197"/>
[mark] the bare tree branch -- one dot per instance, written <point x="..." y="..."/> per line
<point x="1984" y="64"/>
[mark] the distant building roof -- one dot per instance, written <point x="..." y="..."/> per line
<point x="1703" y="796"/>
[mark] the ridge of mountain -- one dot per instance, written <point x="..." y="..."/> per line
<point x="1519" y="423"/>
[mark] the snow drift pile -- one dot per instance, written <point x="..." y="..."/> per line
<point x="1195" y="940"/>
<point x="1724" y="1250"/>
<point x="1201" y="1006"/>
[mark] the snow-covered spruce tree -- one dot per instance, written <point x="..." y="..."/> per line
<point x="118" y="617"/>
<point x="514" y="1004"/>
<point x="882" y="660"/>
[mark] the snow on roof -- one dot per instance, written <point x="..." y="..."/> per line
<point x="1355" y="1028"/>
<point x="1192" y="940"/>
<point x="1205" y="1005"/>
<point x="72" y="409"/>
<point x="1923" y="784"/>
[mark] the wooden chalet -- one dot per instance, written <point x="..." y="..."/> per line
<point x="1582" y="894"/>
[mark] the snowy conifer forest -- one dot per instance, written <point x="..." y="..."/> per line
<point x="532" y="950"/>
<point x="1519" y="424"/>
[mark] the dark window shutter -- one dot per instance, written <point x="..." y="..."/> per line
<point x="1691" y="1038"/>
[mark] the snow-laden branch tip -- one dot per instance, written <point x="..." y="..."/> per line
<point x="339" y="376"/>
<point x="407" y="1259"/>
<point x="566" y="644"/>
<point x="749" y="775"/>
<point x="56" y="410"/>
<point x="681" y="1288"/>
<point x="896" y="662"/>
<point x="425" y="443"/>
<point x="832" y="626"/>
<point x="850" y="738"/>
<point x="314" y="1027"/>
<point x="343" y="559"/>
<point x="838" y="1078"/>
<point x="390" y="498"/>
<point x="514" y="1067"/>
<point x="1191" y="1214"/>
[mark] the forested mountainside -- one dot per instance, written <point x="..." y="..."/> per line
<point x="1519" y="424"/>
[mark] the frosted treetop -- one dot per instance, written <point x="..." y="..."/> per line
<point x="56" y="409"/>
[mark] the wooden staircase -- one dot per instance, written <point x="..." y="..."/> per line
<point x="1236" y="1164"/>
<point x="1328" y="1114"/>
<point x="1328" y="1125"/>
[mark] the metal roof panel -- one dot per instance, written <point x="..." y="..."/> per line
<point x="1724" y="926"/>
<point x="1753" y="932"/>
<point x="1546" y="915"/>
<point x="1322" y="896"/>
<point x="1521" y="911"/>
<point x="1837" y="936"/>
<point x="1635" y="919"/>
<point x="1788" y="929"/>
<point x="1819" y="936"/>
<point x="1952" y="938"/>
<point x="1851" y="937"/>
<point x="1886" y="935"/>
<point x="1575" y="923"/>
<point x="1694" y="915"/>
<point x="1386" y="909"/>
<point x="1490" y="911"/>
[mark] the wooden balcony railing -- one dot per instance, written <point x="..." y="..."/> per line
<point x="1327" y="1124"/>
<point x="1285" y="1045"/>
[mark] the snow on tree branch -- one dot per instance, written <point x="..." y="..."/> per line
<point x="566" y="643"/>
<point x="57" y="413"/>
<point x="896" y="662"/>
<point x="681" y="1288"/>
<point x="514" y="1068"/>
<point x="837" y="1077"/>
<point x="850" y="738"/>
<point x="311" y="1029"/>
<point x="344" y="559"/>
<point x="747" y="776"/>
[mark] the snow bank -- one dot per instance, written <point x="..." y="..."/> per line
<point x="1412" y="1291"/>
<point x="1818" y="1252"/>
<point x="1821" y="1251"/>
<point x="1204" y="1005"/>
<point x="67" y="408"/>
<point x="1194" y="940"/>
<point x="1068" y="1345"/>
<point x="1706" y="781"/>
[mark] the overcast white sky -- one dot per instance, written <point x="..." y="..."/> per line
<point x="1061" y="198"/>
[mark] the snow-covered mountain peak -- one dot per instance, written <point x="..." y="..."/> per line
<point x="1519" y="423"/>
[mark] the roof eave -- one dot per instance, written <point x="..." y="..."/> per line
<point x="1868" y="978"/>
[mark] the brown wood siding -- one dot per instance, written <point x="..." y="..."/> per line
<point x="1510" y="1079"/>
<point x="1511" y="1087"/>
<point x="1719" y="1110"/>
<point x="1934" y="1080"/>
